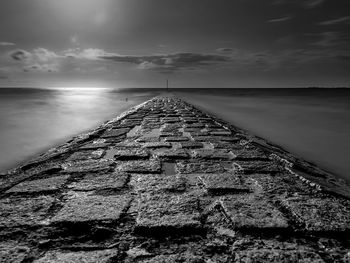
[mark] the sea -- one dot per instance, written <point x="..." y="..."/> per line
<point x="312" y="123"/>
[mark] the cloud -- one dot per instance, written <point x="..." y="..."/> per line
<point x="307" y="4"/>
<point x="40" y="60"/>
<point x="281" y="19"/>
<point x="340" y="20"/>
<point x="224" y="49"/>
<point x="89" y="53"/>
<point x="7" y="44"/>
<point x="170" y="62"/>
<point x="20" y="55"/>
<point x="330" y="39"/>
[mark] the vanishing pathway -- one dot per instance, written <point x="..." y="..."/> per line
<point x="166" y="182"/>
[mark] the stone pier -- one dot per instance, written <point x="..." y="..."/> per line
<point x="165" y="182"/>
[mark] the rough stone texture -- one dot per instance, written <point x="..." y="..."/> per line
<point x="165" y="182"/>
<point x="40" y="185"/>
<point x="101" y="256"/>
<point x="100" y="181"/>
<point x="249" y="211"/>
<point x="320" y="214"/>
<point x="226" y="183"/>
<point x="82" y="207"/>
<point x="24" y="211"/>
<point x="167" y="211"/>
<point x="151" y="166"/>
<point x="87" y="166"/>
<point x="11" y="252"/>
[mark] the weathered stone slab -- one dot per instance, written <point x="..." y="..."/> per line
<point x="220" y="133"/>
<point x="173" y="154"/>
<point x="97" y="144"/>
<point x="148" y="139"/>
<point x="24" y="211"/>
<point x="100" y="181"/>
<point x="151" y="166"/>
<point x="155" y="145"/>
<point x="258" y="167"/>
<point x="225" y="183"/>
<point x="127" y="154"/>
<point x="176" y="139"/>
<point x="12" y="252"/>
<point x="115" y="132"/>
<point x="162" y="211"/>
<point x="176" y="258"/>
<point x="86" y="155"/>
<point x="187" y="167"/>
<point x="277" y="256"/>
<point x="40" y="185"/>
<point x="319" y="214"/>
<point x="219" y="154"/>
<point x="87" y="166"/>
<point x="82" y="206"/>
<point x="100" y="256"/>
<point x="158" y="182"/>
<point x="191" y="145"/>
<point x="282" y="184"/>
<point x="250" y="154"/>
<point x="249" y="211"/>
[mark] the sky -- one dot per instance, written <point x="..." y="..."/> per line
<point x="193" y="43"/>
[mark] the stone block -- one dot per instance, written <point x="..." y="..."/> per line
<point x="158" y="183"/>
<point x="226" y="183"/>
<point x="219" y="154"/>
<point x="126" y="154"/>
<point x="86" y="155"/>
<point x="250" y="154"/>
<point x="100" y="181"/>
<point x="100" y="256"/>
<point x="173" y="154"/>
<point x="151" y="166"/>
<point x="24" y="211"/>
<point x="176" y="258"/>
<point x="319" y="214"/>
<point x="40" y="185"/>
<point x="115" y="132"/>
<point x="157" y="212"/>
<point x="176" y="139"/>
<point x="155" y="145"/>
<point x="84" y="206"/>
<point x="191" y="145"/>
<point x="87" y="166"/>
<point x="249" y="211"/>
<point x="277" y="256"/>
<point x="12" y="252"/>
<point x="249" y="167"/>
<point x="200" y="166"/>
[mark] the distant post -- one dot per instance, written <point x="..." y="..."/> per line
<point x="167" y="85"/>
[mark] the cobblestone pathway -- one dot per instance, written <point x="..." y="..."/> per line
<point x="167" y="183"/>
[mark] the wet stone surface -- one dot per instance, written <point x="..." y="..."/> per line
<point x="81" y="207"/>
<point x="24" y="211"/>
<point x="166" y="182"/>
<point x="40" y="185"/>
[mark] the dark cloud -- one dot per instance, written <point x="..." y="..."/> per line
<point x="340" y="20"/>
<point x="20" y="55"/>
<point x="224" y="49"/>
<point x="7" y="44"/>
<point x="171" y="62"/>
<point x="330" y="39"/>
<point x="307" y="4"/>
<point x="281" y="19"/>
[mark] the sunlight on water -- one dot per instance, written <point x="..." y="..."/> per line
<point x="33" y="120"/>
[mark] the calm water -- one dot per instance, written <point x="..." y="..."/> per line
<point x="33" y="120"/>
<point x="314" y="124"/>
